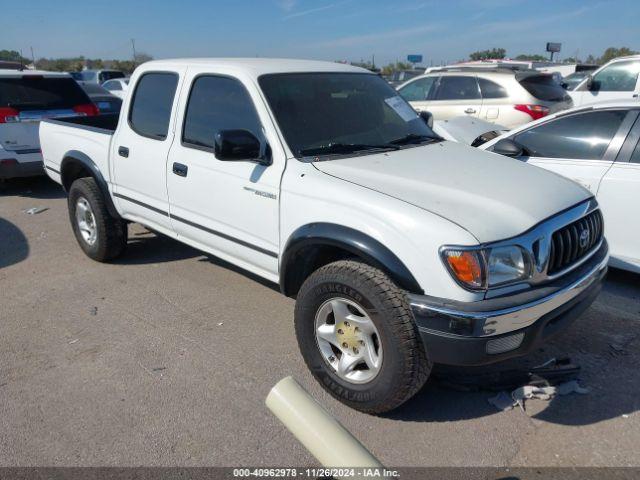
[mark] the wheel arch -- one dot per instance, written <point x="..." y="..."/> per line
<point x="76" y="165"/>
<point x="313" y="245"/>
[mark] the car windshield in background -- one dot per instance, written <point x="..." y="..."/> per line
<point x="33" y="92"/>
<point x="341" y="113"/>
<point x="544" y="87"/>
<point x="104" y="76"/>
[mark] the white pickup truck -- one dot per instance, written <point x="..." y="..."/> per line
<point x="401" y="249"/>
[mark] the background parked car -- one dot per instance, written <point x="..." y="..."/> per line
<point x="507" y="96"/>
<point x="105" y="102"/>
<point x="117" y="86"/>
<point x="96" y="76"/>
<point x="599" y="148"/>
<point x="26" y="97"/>
<point x="570" y="82"/>
<point x="401" y="76"/>
<point x="616" y="80"/>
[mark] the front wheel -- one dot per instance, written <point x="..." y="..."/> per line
<point x="357" y="335"/>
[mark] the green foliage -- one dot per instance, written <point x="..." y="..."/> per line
<point x="494" y="53"/>
<point x="394" y="67"/>
<point x="531" y="57"/>
<point x="612" y="52"/>
<point x="76" y="64"/>
<point x="13" y="56"/>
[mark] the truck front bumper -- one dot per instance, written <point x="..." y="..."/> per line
<point x="493" y="330"/>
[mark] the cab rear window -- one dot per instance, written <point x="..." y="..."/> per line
<point x="544" y="87"/>
<point x="31" y="92"/>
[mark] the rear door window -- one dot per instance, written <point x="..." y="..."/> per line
<point x="491" y="89"/>
<point x="544" y="87"/>
<point x="418" y="90"/>
<point x="457" y="88"/>
<point x="35" y="92"/>
<point x="151" y="105"/>
<point x="584" y="136"/>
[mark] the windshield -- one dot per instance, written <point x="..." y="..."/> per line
<point x="341" y="113"/>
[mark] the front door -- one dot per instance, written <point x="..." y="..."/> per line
<point x="619" y="198"/>
<point x="418" y="92"/>
<point x="578" y="146"/>
<point x="140" y="148"/>
<point x="229" y="208"/>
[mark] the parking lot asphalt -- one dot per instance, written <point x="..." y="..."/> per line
<point x="165" y="357"/>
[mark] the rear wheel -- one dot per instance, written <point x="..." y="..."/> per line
<point x="357" y="335"/>
<point x="101" y="236"/>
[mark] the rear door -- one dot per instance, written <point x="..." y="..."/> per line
<point x="418" y="92"/>
<point x="619" y="197"/>
<point x="140" y="147"/>
<point x="25" y="99"/>
<point x="617" y="81"/>
<point x="456" y="96"/>
<point x="494" y="100"/>
<point x="580" y="146"/>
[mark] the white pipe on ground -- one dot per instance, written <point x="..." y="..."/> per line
<point x="321" y="434"/>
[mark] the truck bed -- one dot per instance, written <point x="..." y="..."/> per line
<point x="87" y="136"/>
<point x="103" y="123"/>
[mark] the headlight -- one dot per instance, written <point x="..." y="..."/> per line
<point x="479" y="269"/>
<point x="507" y="265"/>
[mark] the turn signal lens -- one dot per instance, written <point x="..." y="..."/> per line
<point x="466" y="267"/>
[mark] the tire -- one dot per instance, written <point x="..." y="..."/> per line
<point x="403" y="365"/>
<point x="109" y="237"/>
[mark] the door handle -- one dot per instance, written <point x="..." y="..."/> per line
<point x="470" y="110"/>
<point x="180" y="169"/>
<point x="123" y="152"/>
<point x="635" y="95"/>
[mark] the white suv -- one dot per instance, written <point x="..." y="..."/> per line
<point x="498" y="95"/>
<point x="617" y="80"/>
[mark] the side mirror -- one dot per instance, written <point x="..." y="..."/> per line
<point x="589" y="85"/>
<point x="508" y="148"/>
<point x="427" y="117"/>
<point x="239" y="145"/>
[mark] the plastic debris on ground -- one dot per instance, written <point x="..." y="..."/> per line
<point x="35" y="210"/>
<point x="546" y="381"/>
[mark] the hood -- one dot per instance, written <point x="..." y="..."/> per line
<point x="491" y="196"/>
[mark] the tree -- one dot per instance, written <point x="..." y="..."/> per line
<point x="494" y="53"/>
<point x="13" y="56"/>
<point x="394" y="67"/>
<point x="612" y="52"/>
<point x="142" y="57"/>
<point x="591" y="59"/>
<point x="531" y="57"/>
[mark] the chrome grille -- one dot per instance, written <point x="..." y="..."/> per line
<point x="572" y="242"/>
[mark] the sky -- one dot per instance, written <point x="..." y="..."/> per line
<point x="349" y="30"/>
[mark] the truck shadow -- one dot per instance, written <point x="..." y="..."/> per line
<point x="146" y="247"/>
<point x="14" y="246"/>
<point x="604" y="342"/>
<point x="32" y="187"/>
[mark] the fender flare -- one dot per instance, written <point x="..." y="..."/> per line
<point x="74" y="156"/>
<point x="350" y="240"/>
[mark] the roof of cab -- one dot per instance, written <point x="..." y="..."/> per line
<point x="256" y="66"/>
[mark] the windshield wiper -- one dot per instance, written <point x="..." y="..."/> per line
<point x="338" y="148"/>
<point x="414" y="138"/>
